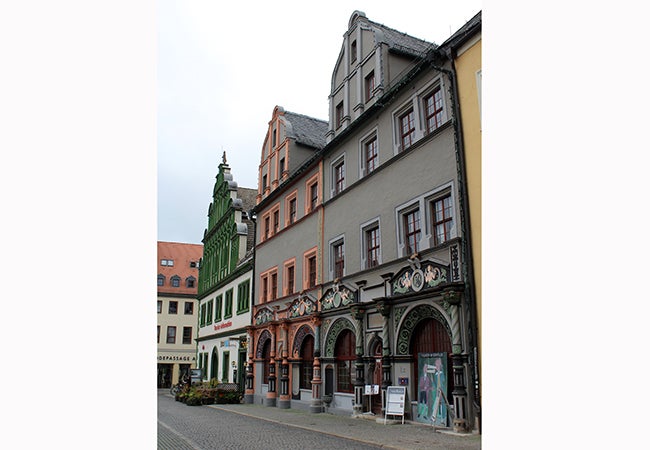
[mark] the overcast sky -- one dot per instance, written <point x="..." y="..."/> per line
<point x="223" y="67"/>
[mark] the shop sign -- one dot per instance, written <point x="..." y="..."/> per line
<point x="176" y="358"/>
<point x="223" y="325"/>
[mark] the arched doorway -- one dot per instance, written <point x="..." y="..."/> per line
<point x="344" y="350"/>
<point x="266" y="356"/>
<point x="214" y="364"/>
<point x="307" y="362"/>
<point x="429" y="336"/>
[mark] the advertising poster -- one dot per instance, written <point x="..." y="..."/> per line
<point x="432" y="380"/>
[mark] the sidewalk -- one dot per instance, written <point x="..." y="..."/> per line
<point x="366" y="429"/>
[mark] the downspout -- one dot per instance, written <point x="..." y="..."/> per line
<point x="467" y="262"/>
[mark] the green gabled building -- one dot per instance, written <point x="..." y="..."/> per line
<point x="225" y="284"/>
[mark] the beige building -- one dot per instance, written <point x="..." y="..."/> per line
<point x="178" y="273"/>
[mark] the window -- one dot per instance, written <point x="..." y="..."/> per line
<point x="407" y="129"/>
<point x="370" y="155"/>
<point x="189" y="308"/>
<point x="159" y="306"/>
<point x="274" y="285"/>
<point x="158" y="334"/>
<point x="161" y="280"/>
<point x="370" y="244"/>
<point x="263" y="182"/>
<point x="353" y="51"/>
<point x="243" y="296"/>
<point x="228" y="304"/>
<point x="313" y="196"/>
<point x="267" y="227"/>
<point x="218" y="307"/>
<point x="370" y="85"/>
<point x="187" y="335"/>
<point x="167" y="262"/>
<point x="265" y="288"/>
<point x="193" y="264"/>
<point x="339" y="259"/>
<point x="189" y="282"/>
<point x="433" y="110"/>
<point x="339" y="115"/>
<point x="171" y="335"/>
<point x="202" y="315"/>
<point x="292" y="210"/>
<point x="290" y="274"/>
<point x="176" y="281"/>
<point x="281" y="167"/>
<point x="412" y="231"/>
<point x="442" y="219"/>
<point x="275" y="137"/>
<point x="339" y="176"/>
<point x="173" y="307"/>
<point x="276" y="221"/>
<point x="209" y="316"/>
<point x="311" y="270"/>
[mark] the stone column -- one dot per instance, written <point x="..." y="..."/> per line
<point x="285" y="398"/>
<point x="316" y="383"/>
<point x="384" y="309"/>
<point x="451" y="302"/>
<point x="358" y="314"/>
<point x="249" y="394"/>
<point x="271" y="395"/>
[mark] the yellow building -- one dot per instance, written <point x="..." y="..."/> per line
<point x="465" y="50"/>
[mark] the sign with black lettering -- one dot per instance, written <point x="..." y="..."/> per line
<point x="395" y="401"/>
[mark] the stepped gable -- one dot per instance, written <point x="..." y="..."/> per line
<point x="306" y="130"/>
<point x="247" y="197"/>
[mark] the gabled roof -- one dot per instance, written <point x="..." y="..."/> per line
<point x="471" y="27"/>
<point x="305" y="130"/>
<point x="402" y="42"/>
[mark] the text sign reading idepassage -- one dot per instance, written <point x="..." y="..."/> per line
<point x="395" y="399"/>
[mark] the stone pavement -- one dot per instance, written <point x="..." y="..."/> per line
<point x="367" y="429"/>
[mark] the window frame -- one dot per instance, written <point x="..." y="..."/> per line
<point x="289" y="280"/>
<point x="161" y="280"/>
<point x="365" y="228"/>
<point x="243" y="296"/>
<point x="431" y="202"/>
<point x="339" y="114"/>
<point x="409" y="112"/>
<point x="310" y="203"/>
<point x="431" y="93"/>
<point x="171" y="336"/>
<point x="191" y="308"/>
<point x="218" y="308"/>
<point x="160" y="304"/>
<point x="368" y="138"/>
<point x="175" y="281"/>
<point x="291" y="199"/>
<point x="173" y="303"/>
<point x="338" y="184"/>
<point x="227" y="304"/>
<point x="370" y="85"/>
<point x="306" y="273"/>
<point x="188" y="339"/>
<point x="333" y="244"/>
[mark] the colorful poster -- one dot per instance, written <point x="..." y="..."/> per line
<point x="432" y="385"/>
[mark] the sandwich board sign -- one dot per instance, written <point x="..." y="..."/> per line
<point x="395" y="401"/>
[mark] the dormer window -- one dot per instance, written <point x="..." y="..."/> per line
<point x="161" y="280"/>
<point x="176" y="281"/>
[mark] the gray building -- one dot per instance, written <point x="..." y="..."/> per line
<point x="360" y="276"/>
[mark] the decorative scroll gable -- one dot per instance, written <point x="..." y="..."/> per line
<point x="263" y="315"/>
<point x="304" y="305"/>
<point x="419" y="276"/>
<point x="338" y="296"/>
